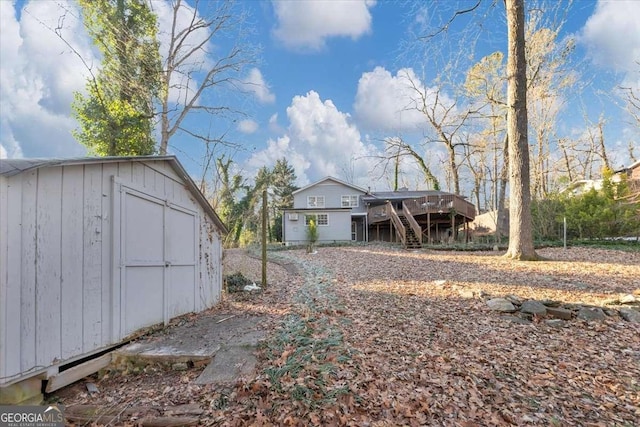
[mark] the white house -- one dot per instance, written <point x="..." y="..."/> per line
<point x="344" y="212"/>
<point x="94" y="249"/>
<point x="335" y="206"/>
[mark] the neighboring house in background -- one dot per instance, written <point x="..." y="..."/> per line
<point x="91" y="251"/>
<point x="344" y="212"/>
<point x="633" y="178"/>
<point x="485" y="224"/>
<point x="632" y="174"/>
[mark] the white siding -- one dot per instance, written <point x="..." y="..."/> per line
<point x="338" y="230"/>
<point x="332" y="192"/>
<point x="59" y="296"/>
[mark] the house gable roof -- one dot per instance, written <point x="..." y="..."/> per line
<point x="11" y="167"/>
<point x="330" y="178"/>
<point x="630" y="167"/>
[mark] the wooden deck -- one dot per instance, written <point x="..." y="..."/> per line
<point x="424" y="217"/>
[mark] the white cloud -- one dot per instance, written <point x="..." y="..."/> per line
<point x="307" y="24"/>
<point x="247" y="126"/>
<point x="38" y="76"/>
<point x="273" y="124"/>
<point x="319" y="141"/>
<point x="612" y="35"/>
<point x="386" y="102"/>
<point x="255" y="84"/>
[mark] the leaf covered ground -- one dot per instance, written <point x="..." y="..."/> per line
<point x="376" y="336"/>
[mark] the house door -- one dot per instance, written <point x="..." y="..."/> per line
<point x="354" y="230"/>
<point x="156" y="250"/>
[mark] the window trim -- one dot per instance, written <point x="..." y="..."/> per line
<point x="316" y="201"/>
<point x="307" y="217"/>
<point x="350" y="201"/>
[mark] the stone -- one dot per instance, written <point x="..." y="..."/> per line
<point x="550" y="303"/>
<point x="591" y="313"/>
<point x="555" y="323"/>
<point x="180" y="366"/>
<point x="439" y="283"/>
<point x="630" y="315"/>
<point x="514" y="299"/>
<point x="533" y="307"/>
<point x="518" y="320"/>
<point x="501" y="304"/>
<point x="559" y="313"/>
<point x="628" y="299"/>
<point x="466" y="293"/>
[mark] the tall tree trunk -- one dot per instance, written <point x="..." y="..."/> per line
<point x="504" y="180"/>
<point x="454" y="168"/>
<point x="603" y="148"/>
<point x="520" y="221"/>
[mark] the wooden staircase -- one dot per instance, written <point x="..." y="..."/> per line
<point x="412" y="241"/>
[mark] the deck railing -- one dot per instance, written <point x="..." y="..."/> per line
<point x="400" y="230"/>
<point x="441" y="204"/>
<point x="412" y="221"/>
<point x="378" y="213"/>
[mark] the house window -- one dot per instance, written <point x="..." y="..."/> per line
<point x="320" y="219"/>
<point x="350" y="201"/>
<point x="315" y="201"/>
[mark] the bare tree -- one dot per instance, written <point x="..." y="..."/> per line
<point x="549" y="76"/>
<point x="191" y="69"/>
<point x="520" y="221"/>
<point x="397" y="148"/>
<point x="446" y="117"/>
<point x="631" y="96"/>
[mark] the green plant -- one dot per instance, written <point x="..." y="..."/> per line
<point x="236" y="282"/>
<point x="312" y="234"/>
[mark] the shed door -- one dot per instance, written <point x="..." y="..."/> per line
<point x="157" y="260"/>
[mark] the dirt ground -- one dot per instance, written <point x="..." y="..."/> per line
<point x="374" y="335"/>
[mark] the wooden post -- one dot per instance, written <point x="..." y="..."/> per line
<point x="264" y="239"/>
<point x="429" y="226"/>
<point x="453" y="227"/>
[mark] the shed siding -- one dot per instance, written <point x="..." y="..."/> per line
<point x="92" y="258"/>
<point x="58" y="301"/>
<point x="108" y="171"/>
<point x="28" y="275"/>
<point x="48" y="262"/>
<point x="71" y="248"/>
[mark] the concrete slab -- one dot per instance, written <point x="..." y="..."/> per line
<point x="195" y="340"/>
<point x="228" y="365"/>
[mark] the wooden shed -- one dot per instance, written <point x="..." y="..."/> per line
<point x="94" y="249"/>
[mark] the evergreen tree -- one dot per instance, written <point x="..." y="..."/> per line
<point x="116" y="115"/>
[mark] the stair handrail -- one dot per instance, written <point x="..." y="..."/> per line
<point x="395" y="219"/>
<point x="412" y="221"/>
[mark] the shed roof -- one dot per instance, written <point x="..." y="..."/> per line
<point x="11" y="167"/>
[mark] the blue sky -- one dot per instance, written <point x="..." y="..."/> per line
<point x="324" y="89"/>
